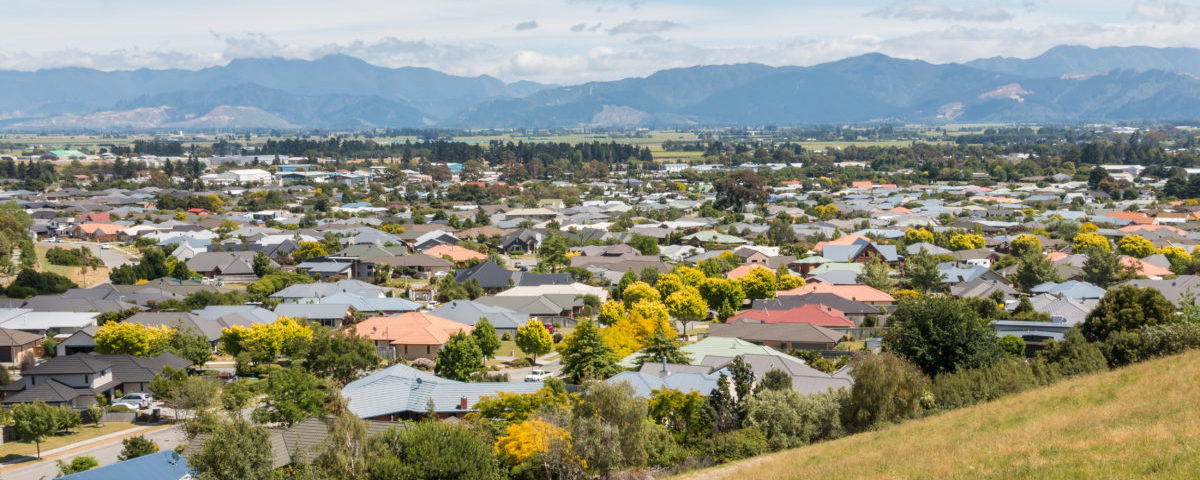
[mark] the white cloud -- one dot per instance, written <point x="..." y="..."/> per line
<point x="1162" y="11"/>
<point x="642" y="27"/>
<point x="930" y="11"/>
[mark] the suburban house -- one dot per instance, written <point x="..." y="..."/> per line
<point x="781" y="336"/>
<point x="230" y="266"/>
<point x="71" y="381"/>
<point x="162" y="465"/>
<point x="15" y="345"/>
<point x="813" y="314"/>
<point x="469" y="312"/>
<point x="401" y="392"/>
<point x="411" y="335"/>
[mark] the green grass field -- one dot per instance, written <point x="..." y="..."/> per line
<point x="1137" y="422"/>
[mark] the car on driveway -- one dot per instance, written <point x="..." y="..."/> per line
<point x="134" y="401"/>
<point x="538" y="376"/>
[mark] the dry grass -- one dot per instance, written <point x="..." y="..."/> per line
<point x="1138" y="422"/>
<point x="19" y="449"/>
<point x="86" y="279"/>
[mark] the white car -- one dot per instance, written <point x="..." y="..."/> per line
<point x="538" y="376"/>
<point x="134" y="401"/>
<point x="105" y="246"/>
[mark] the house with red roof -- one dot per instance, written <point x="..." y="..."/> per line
<point x="813" y="314"/>
<point x="410" y="335"/>
<point x="858" y="293"/>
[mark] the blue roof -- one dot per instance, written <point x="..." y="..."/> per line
<point x="1070" y="289"/>
<point x="686" y="382"/>
<point x="164" y="465"/>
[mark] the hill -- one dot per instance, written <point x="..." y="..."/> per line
<point x="1071" y="60"/>
<point x="1141" y="421"/>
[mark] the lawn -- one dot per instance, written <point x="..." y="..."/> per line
<point x="1137" y="422"/>
<point x="93" y="276"/>
<point x="18" y="449"/>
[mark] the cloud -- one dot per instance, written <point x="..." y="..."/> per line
<point x="649" y="39"/>
<point x="929" y="11"/>
<point x="643" y="27"/>
<point x="530" y="25"/>
<point x="1164" y="11"/>
<point x="578" y="27"/>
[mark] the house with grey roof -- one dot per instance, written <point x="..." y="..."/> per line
<point x="401" y="392"/>
<point x="468" y="312"/>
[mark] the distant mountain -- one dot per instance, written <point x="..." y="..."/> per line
<point x="1068" y="60"/>
<point x="79" y="90"/>
<point x="1066" y="84"/>
<point x="871" y="87"/>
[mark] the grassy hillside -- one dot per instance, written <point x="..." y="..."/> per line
<point x="1137" y="422"/>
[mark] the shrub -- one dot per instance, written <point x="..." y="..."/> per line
<point x="737" y="445"/>
<point x="520" y="362"/>
<point x="661" y="448"/>
<point x="423" y="364"/>
<point x="886" y="388"/>
<point x="977" y="385"/>
<point x="1072" y="356"/>
<point x="790" y="419"/>
<point x="1126" y="347"/>
<point x="506" y="337"/>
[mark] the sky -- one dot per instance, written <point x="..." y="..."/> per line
<point x="569" y="41"/>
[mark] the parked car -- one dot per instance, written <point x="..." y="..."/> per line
<point x="549" y="327"/>
<point x="538" y="376"/>
<point x="134" y="401"/>
<point x="105" y="246"/>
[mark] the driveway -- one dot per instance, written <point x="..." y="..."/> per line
<point x="105" y="451"/>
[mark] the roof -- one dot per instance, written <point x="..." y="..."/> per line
<point x="211" y="329"/>
<point x="403" y="389"/>
<point x="847" y="306"/>
<point x="131" y="369"/>
<point x="811" y="313"/>
<point x="49" y="391"/>
<point x="469" y="312"/>
<point x="1070" y="289"/>
<point x="644" y="384"/>
<point x="316" y="290"/>
<point x="313" y="311"/>
<point x="17" y="338"/>
<point x="743" y="270"/>
<point x="42" y="321"/>
<point x="786" y="332"/>
<point x="716" y="346"/>
<point x="163" y="465"/>
<point x="858" y="293"/>
<point x="489" y="274"/>
<point x="412" y="328"/>
<point x="455" y="252"/>
<point x="71" y="364"/>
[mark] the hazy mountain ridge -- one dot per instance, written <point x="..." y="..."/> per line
<point x="1064" y="84"/>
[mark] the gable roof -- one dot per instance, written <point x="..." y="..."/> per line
<point x="469" y="312"/>
<point x="455" y="252"/>
<point x="489" y="274"/>
<point x="837" y="302"/>
<point x="163" y="465"/>
<point x="786" y="332"/>
<point x="811" y="313"/>
<point x="78" y="363"/>
<point x="17" y="338"/>
<point x="858" y="293"/>
<point x="404" y="389"/>
<point x="412" y="328"/>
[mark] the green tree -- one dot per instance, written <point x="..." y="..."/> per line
<point x="459" y="357"/>
<point x="185" y="394"/>
<point x="645" y="244"/>
<point x="609" y="427"/>
<point x="262" y="265"/>
<point x="432" y="450"/>
<point x="34" y="422"/>
<point x="552" y="253"/>
<point x="922" y="272"/>
<point x="1035" y="269"/>
<point x="343" y="453"/>
<point x="292" y="396"/>
<point x="878" y="275"/>
<point x="340" y="356"/>
<point x="1073" y="355"/>
<point x="725" y="295"/>
<point x="78" y="464"/>
<point x="485" y="336"/>
<point x="685" y="414"/>
<point x="585" y="355"/>
<point x="626" y="280"/>
<point x="1013" y="345"/>
<point x="1127" y="308"/>
<point x="941" y="334"/>
<point x="534" y="339"/>
<point x="234" y="451"/>
<point x="638" y="291"/>
<point x="687" y="305"/>
<point x="776" y="379"/>
<point x="790" y="419"/>
<point x="740" y="188"/>
<point x="662" y="346"/>
<point x="138" y="446"/>
<point x="1103" y="267"/>
<point x="235" y="397"/>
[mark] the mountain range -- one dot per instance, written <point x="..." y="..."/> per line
<point x="1065" y="84"/>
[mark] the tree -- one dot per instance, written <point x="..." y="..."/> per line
<point x="552" y="253"/>
<point x="34" y="422"/>
<point x="758" y="283"/>
<point x="1025" y="245"/>
<point x="459" y="357"/>
<point x="1127" y="308"/>
<point x="187" y="344"/>
<point x="740" y="188"/>
<point x="780" y="232"/>
<point x="645" y="244"/>
<point x="922" y="272"/>
<point x="432" y="450"/>
<point x="1086" y="241"/>
<point x="886" y="388"/>
<point x="743" y="378"/>
<point x="138" y="446"/>
<point x="1103" y="267"/>
<point x="485" y="336"/>
<point x="626" y="280"/>
<point x="609" y="427"/>
<point x="631" y="332"/>
<point x="662" y="347"/>
<point x="1013" y="345"/>
<point x="965" y="241"/>
<point x="722" y="407"/>
<point x="638" y="291"/>
<point x="1135" y="246"/>
<point x="120" y="338"/>
<point x="235" y="451"/>
<point x="292" y="396"/>
<point x="1073" y="355"/>
<point x="235" y="397"/>
<point x="1035" y="269"/>
<point x="917" y="235"/>
<point x="610" y="312"/>
<point x="534" y="339"/>
<point x="941" y="334"/>
<point x="685" y="414"/>
<point x="878" y="275"/>
<point x="309" y="250"/>
<point x="265" y="341"/>
<point x="586" y="356"/>
<point x="78" y="464"/>
<point x="262" y="265"/>
<point x="790" y="419"/>
<point x="182" y="393"/>
<point x="667" y="284"/>
<point x="776" y="379"/>
<point x="722" y="293"/>
<point x="687" y="305"/>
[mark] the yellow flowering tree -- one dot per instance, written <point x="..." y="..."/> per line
<point x="667" y="284"/>
<point x="265" y="341"/>
<point x="966" y="241"/>
<point x="121" y="338"/>
<point x="638" y="291"/>
<point x="1175" y="254"/>
<point x="610" y="312"/>
<point x="527" y="438"/>
<point x="1087" y="241"/>
<point x="691" y="275"/>
<point x="1135" y="246"/>
<point x="917" y="235"/>
<point x="631" y="332"/>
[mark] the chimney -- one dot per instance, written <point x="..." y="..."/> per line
<point x="462" y="403"/>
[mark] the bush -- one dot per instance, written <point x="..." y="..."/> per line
<point x="977" y="385"/>
<point x="423" y="364"/>
<point x="520" y="362"/>
<point x="737" y="445"/>
<point x="1126" y="347"/>
<point x="886" y="388"/>
<point x="1072" y="356"/>
<point x="70" y="257"/>
<point x="790" y="419"/>
<point x="661" y="448"/>
<point x="506" y="337"/>
<point x="39" y="283"/>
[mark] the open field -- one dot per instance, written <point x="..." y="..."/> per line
<point x="93" y="276"/>
<point x="1137" y="422"/>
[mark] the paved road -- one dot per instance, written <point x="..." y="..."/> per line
<point x="106" y="453"/>
<point x="552" y="365"/>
